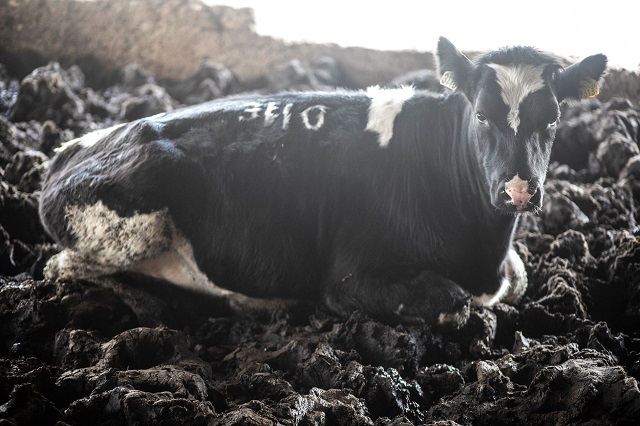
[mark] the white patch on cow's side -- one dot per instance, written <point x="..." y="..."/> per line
<point x="286" y="116"/>
<point x="517" y="82"/>
<point x="385" y="105"/>
<point x="145" y="243"/>
<point x="319" y="118"/>
<point x="89" y="139"/>
<point x="512" y="286"/>
<point x="270" y="113"/>
<point x="101" y="233"/>
<point x="106" y="243"/>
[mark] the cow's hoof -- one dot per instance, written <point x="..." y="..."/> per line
<point x="68" y="266"/>
<point x="456" y="318"/>
<point x="57" y="267"/>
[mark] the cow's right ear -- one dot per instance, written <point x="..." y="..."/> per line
<point x="456" y="70"/>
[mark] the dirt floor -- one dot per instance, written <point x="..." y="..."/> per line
<point x="124" y="350"/>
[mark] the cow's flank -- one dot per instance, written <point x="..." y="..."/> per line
<point x="397" y="202"/>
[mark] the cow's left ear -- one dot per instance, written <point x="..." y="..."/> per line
<point x="581" y="80"/>
<point x="456" y="70"/>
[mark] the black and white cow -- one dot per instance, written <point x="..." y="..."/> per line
<point x="391" y="201"/>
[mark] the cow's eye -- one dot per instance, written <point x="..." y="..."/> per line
<point x="481" y="118"/>
<point x="552" y="124"/>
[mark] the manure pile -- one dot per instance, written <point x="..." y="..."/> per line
<point x="129" y="351"/>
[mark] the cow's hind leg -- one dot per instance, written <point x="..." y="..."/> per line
<point x="425" y="295"/>
<point x="148" y="244"/>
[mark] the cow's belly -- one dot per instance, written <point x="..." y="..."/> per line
<point x="259" y="254"/>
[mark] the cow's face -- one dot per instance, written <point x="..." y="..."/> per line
<point x="515" y="113"/>
<point x="515" y="95"/>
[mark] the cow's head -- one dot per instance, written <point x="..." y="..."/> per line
<point x="515" y="94"/>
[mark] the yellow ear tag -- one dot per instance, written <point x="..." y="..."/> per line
<point x="588" y="89"/>
<point x="447" y="81"/>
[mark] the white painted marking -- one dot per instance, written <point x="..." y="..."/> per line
<point x="385" y="105"/>
<point x="286" y="116"/>
<point x="89" y="139"/>
<point x="312" y="118"/>
<point x="517" y="82"/>
<point x="270" y="113"/>
<point x="253" y="110"/>
<point x="319" y="119"/>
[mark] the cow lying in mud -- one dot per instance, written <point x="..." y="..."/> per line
<point x="392" y="201"/>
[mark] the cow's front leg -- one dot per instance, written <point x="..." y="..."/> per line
<point x="426" y="295"/>
<point x="514" y="271"/>
<point x="513" y="283"/>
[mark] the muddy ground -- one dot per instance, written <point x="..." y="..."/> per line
<point x="124" y="350"/>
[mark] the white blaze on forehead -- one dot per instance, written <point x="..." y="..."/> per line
<point x="517" y="82"/>
<point x="385" y="105"/>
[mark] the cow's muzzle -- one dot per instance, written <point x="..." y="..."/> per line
<point x="521" y="195"/>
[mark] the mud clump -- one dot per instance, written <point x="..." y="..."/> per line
<point x="127" y="350"/>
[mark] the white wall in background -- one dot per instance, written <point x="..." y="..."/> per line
<point x="570" y="28"/>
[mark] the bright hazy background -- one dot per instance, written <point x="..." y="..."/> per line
<point x="569" y="28"/>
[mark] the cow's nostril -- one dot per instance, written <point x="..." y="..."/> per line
<point x="520" y="199"/>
